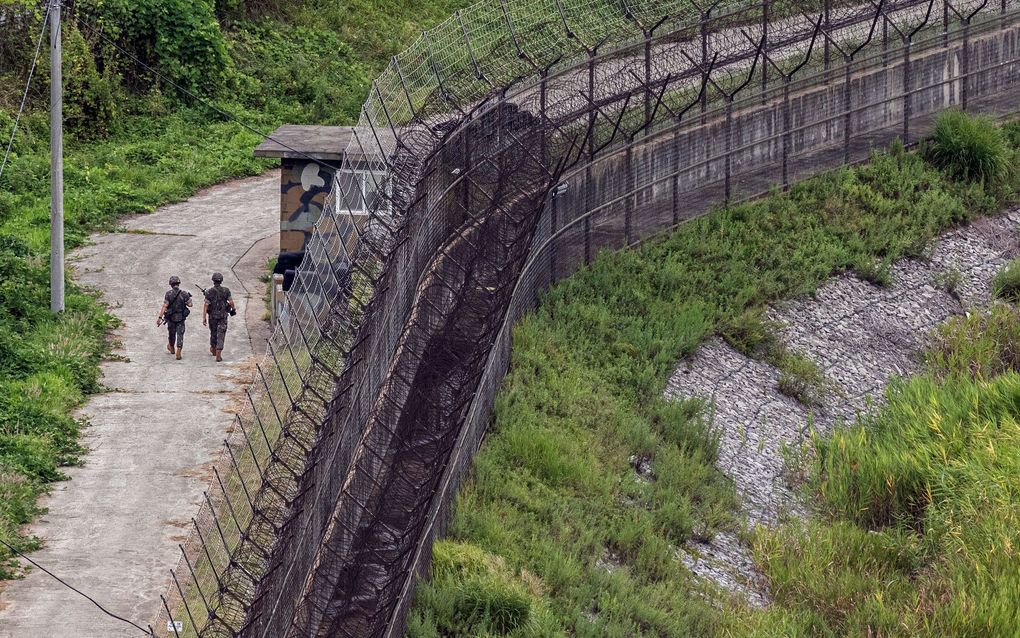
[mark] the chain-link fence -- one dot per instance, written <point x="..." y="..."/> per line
<point x="506" y="148"/>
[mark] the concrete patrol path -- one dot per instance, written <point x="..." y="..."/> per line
<point x="112" y="530"/>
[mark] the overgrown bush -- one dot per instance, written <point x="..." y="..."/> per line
<point x="1011" y="131"/>
<point x="180" y="38"/>
<point x="309" y="74"/>
<point x="89" y="104"/>
<point x="969" y="147"/>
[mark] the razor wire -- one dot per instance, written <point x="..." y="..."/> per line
<point x="503" y="150"/>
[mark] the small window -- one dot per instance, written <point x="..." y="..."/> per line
<point x="357" y="191"/>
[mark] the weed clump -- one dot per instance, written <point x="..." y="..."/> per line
<point x="877" y="272"/>
<point x="969" y="148"/>
<point x="756" y="336"/>
<point x="753" y="334"/>
<point x="474" y="593"/>
<point x="950" y="280"/>
<point x="800" y="378"/>
<point x="982" y="345"/>
<point x="1006" y="284"/>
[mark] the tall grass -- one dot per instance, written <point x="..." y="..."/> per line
<point x="922" y="505"/>
<point x="970" y="148"/>
<point x="554" y="490"/>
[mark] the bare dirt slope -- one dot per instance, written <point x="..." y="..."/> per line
<point x="113" y="529"/>
<point x="860" y="336"/>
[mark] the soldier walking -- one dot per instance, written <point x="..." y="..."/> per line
<point x="218" y="307"/>
<point x="174" y="313"/>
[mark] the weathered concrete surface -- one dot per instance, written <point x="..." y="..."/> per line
<point x="860" y="336"/>
<point x="112" y="530"/>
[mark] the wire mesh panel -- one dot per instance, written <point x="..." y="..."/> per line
<point x="502" y="151"/>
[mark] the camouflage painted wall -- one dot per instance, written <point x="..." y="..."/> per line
<point x="303" y="189"/>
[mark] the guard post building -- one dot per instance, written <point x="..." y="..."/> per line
<point x="314" y="161"/>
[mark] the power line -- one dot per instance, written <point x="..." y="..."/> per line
<point x="74" y="589"/>
<point x="28" y="83"/>
<point x="93" y="29"/>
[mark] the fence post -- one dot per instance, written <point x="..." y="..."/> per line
<point x="704" y="56"/>
<point x="827" y="11"/>
<point x="587" y="239"/>
<point x="847" y="102"/>
<point x="945" y="23"/>
<point x="965" y="65"/>
<point x="466" y="186"/>
<point x="885" y="41"/>
<point x="906" y="91"/>
<point x="676" y="176"/>
<point x="765" y="46"/>
<point x="543" y="98"/>
<point x="786" y="132"/>
<point x="554" y="223"/>
<point x="588" y="174"/>
<point x="629" y="201"/>
<point x="729" y="143"/>
<point x="592" y="116"/>
<point x="648" y="76"/>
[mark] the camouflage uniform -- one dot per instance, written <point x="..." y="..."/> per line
<point x="218" y="297"/>
<point x="176" y="300"/>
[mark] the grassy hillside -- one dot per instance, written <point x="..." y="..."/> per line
<point x="557" y="533"/>
<point x="135" y="143"/>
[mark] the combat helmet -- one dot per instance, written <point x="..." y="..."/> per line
<point x="217" y="278"/>
<point x="175" y="281"/>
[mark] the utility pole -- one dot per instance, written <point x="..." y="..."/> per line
<point x="56" y="164"/>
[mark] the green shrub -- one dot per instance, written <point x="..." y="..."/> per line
<point x="1006" y="284"/>
<point x="490" y="607"/>
<point x="180" y="38"/>
<point x="89" y="104"/>
<point x="949" y="280"/>
<point x="309" y="73"/>
<point x="969" y="148"/>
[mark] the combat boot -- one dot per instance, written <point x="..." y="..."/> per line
<point x="170" y="348"/>
<point x="219" y="355"/>
<point x="212" y="349"/>
<point x="178" y="353"/>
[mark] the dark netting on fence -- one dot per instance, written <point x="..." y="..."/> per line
<point x="502" y="151"/>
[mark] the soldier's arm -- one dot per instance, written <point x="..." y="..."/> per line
<point x="205" y="312"/>
<point x="162" y="311"/>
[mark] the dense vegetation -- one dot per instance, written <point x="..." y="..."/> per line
<point x="556" y="533"/>
<point x="134" y="142"/>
